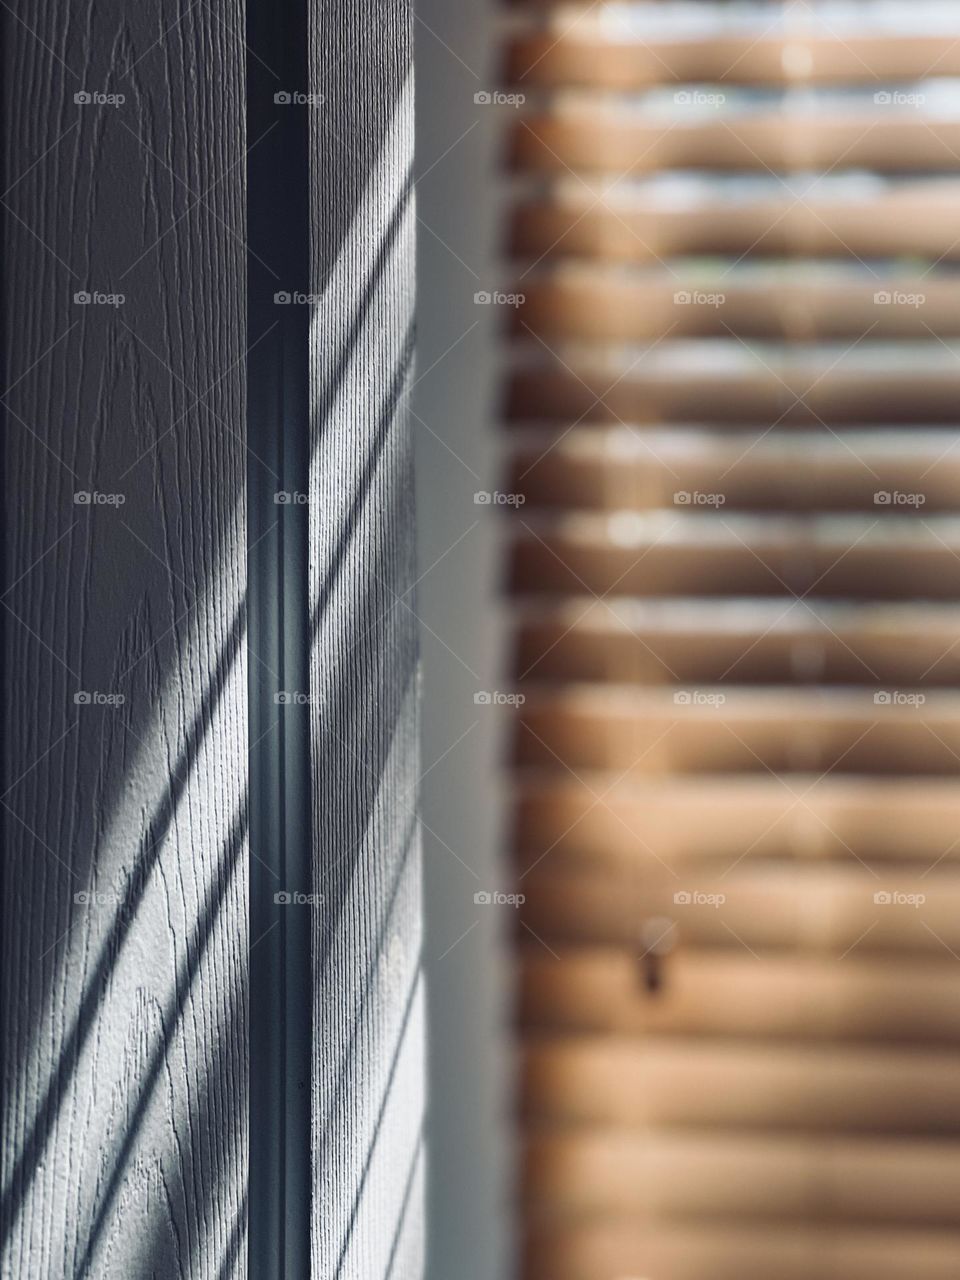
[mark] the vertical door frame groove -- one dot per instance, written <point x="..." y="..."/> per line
<point x="278" y="429"/>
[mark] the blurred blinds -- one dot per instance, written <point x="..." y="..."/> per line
<point x="732" y="415"/>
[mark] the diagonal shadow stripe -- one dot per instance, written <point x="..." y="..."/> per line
<point x="381" y="1113"/>
<point x="363" y="86"/>
<point x="387" y="414"/>
<point x="228" y="1264"/>
<point x="25" y="1168"/>
<point x="196" y="949"/>
<point x="351" y="339"/>
<point x="410" y="844"/>
<point x="404" y="1204"/>
<point x="347" y="832"/>
<point x="387" y="666"/>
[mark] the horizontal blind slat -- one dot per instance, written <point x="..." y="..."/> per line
<point x="666" y="642"/>
<point x="782" y="1179"/>
<point x="914" y="220"/>
<point x="585" y="59"/>
<point x="601" y="305"/>
<point x="621" y="1246"/>
<point x="604" y="1080"/>
<point x="600" y="139"/>
<point x="880" y="821"/>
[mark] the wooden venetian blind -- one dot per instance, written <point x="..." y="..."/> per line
<point x="732" y="414"/>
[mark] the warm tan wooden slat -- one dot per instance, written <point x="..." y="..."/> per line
<point x="718" y="556"/>
<point x="700" y="1085"/>
<point x="604" y="304"/>
<point x="628" y="1249"/>
<point x="751" y="908"/>
<point x="583" y="58"/>
<point x="882" y="821"/>
<point x="586" y="136"/>
<point x="849" y="387"/>
<point x="617" y="469"/>
<point x="817" y="1180"/>
<point x="915" y="219"/>
<point x="718" y="992"/>
<point x="662" y="642"/>
<point x="709" y="730"/>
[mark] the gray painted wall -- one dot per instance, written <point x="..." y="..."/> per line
<point x="464" y="946"/>
<point x="124" y="1012"/>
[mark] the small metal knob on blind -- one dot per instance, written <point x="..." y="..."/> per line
<point x="658" y="937"/>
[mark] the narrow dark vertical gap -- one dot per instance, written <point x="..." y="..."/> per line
<point x="281" y="1000"/>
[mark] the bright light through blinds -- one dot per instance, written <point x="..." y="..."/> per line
<point x="732" y="409"/>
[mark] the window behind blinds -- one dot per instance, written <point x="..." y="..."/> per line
<point x="732" y="412"/>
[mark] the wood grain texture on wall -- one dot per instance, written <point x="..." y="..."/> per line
<point x="124" y="897"/>
<point x="368" y="998"/>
